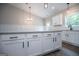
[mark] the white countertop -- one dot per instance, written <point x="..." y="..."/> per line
<point x="24" y="28"/>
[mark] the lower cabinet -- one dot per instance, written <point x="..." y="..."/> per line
<point x="72" y="37"/>
<point x="34" y="47"/>
<point x="57" y="43"/>
<point x="52" y="42"/>
<point x="47" y="44"/>
<point x="12" y="48"/>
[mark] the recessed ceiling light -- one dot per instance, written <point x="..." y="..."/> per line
<point x="53" y="8"/>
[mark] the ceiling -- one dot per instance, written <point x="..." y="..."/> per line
<point x="39" y="10"/>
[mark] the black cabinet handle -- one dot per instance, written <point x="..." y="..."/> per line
<point x="23" y="44"/>
<point x="59" y="34"/>
<point x="48" y="35"/>
<point x="14" y="37"/>
<point x="35" y="36"/>
<point x="28" y="44"/>
<point x="53" y="39"/>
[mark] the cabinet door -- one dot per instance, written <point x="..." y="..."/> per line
<point x="69" y="36"/>
<point x="57" y="20"/>
<point x="77" y="38"/>
<point x="34" y="47"/>
<point x="47" y="44"/>
<point x="13" y="48"/>
<point x="74" y="36"/>
<point x="57" y="41"/>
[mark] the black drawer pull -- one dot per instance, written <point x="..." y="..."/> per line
<point x="13" y="37"/>
<point x="59" y="34"/>
<point x="53" y="39"/>
<point x="35" y="36"/>
<point x="28" y="44"/>
<point x="48" y="35"/>
<point x="23" y="44"/>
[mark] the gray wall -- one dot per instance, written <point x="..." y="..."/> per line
<point x="12" y="15"/>
<point x="13" y="19"/>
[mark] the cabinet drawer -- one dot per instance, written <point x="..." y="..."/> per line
<point x="12" y="36"/>
<point x="33" y="35"/>
<point x="11" y="42"/>
<point x="58" y="34"/>
<point x="48" y="35"/>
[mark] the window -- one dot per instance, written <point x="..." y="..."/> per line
<point x="72" y="19"/>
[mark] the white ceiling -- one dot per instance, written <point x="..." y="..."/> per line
<point x="39" y="10"/>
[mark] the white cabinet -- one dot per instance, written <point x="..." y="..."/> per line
<point x="12" y="48"/>
<point x="69" y="36"/>
<point x="57" y="20"/>
<point x="12" y="37"/>
<point x="77" y="38"/>
<point x="47" y="42"/>
<point x="34" y="47"/>
<point x="72" y="37"/>
<point x="57" y="40"/>
<point x="29" y="44"/>
<point x="12" y="44"/>
<point x="51" y="41"/>
<point x="34" y="44"/>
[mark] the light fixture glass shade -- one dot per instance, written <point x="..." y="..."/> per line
<point x="45" y="5"/>
<point x="29" y="18"/>
<point x="29" y="14"/>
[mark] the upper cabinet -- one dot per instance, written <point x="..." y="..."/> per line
<point x="57" y="20"/>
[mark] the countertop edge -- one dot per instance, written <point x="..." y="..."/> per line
<point x="36" y="32"/>
<point x="29" y="32"/>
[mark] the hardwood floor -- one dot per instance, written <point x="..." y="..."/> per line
<point x="71" y="47"/>
<point x="67" y="50"/>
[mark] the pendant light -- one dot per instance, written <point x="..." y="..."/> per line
<point x="69" y="26"/>
<point x="68" y="7"/>
<point x="28" y="20"/>
<point x="29" y="15"/>
<point x="45" y="5"/>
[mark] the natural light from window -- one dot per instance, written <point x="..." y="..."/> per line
<point x="72" y="19"/>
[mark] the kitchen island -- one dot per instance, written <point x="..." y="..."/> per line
<point x="29" y="43"/>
